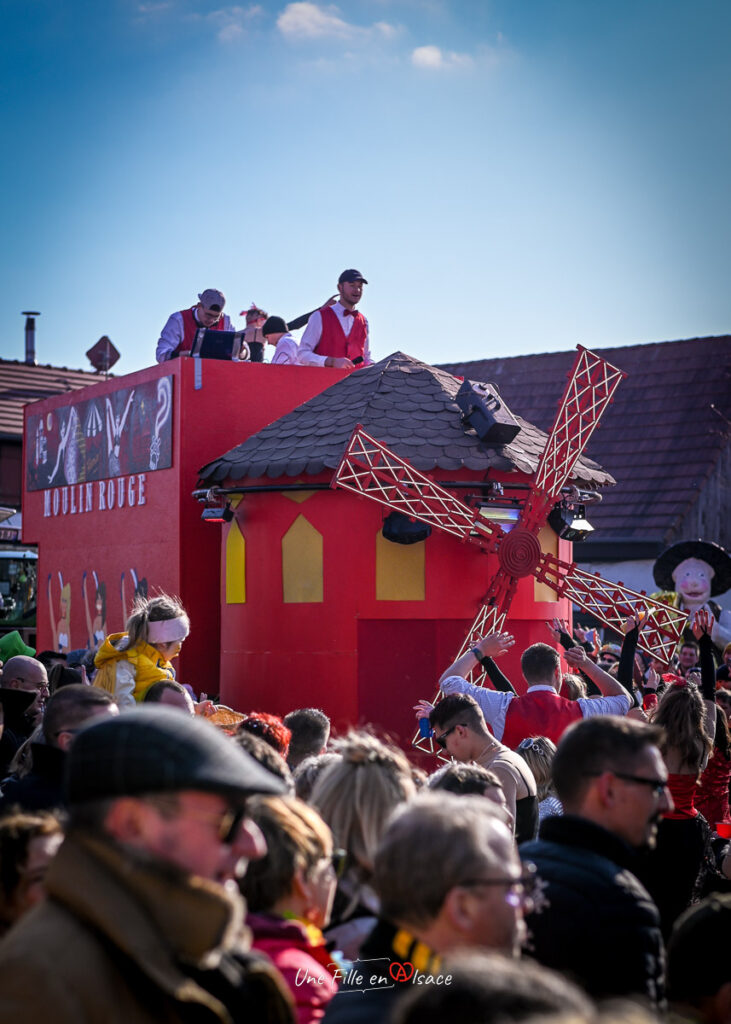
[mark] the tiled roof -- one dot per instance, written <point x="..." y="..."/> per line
<point x="21" y="384"/>
<point x="661" y="438"/>
<point x="408" y="405"/>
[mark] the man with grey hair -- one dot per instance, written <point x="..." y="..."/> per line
<point x="143" y="921"/>
<point x="448" y="877"/>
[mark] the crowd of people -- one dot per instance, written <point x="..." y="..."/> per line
<point x="165" y="858"/>
<point x="335" y="335"/>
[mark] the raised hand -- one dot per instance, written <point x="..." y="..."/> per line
<point x="637" y="618"/>
<point x="494" y="644"/>
<point x="702" y="623"/>
<point x="652" y="679"/>
<point x="577" y="657"/>
<point x="423" y="709"/>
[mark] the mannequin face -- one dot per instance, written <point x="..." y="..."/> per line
<point x="692" y="580"/>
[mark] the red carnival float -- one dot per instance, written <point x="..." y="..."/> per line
<point x="303" y="594"/>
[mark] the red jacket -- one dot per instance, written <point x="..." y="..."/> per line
<point x="305" y="966"/>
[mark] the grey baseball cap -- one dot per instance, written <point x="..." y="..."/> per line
<point x="159" y="750"/>
<point x="213" y="299"/>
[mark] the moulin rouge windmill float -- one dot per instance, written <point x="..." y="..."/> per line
<point x="370" y="469"/>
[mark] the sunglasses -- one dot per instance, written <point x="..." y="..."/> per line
<point x="659" y="785"/>
<point x="228" y="822"/>
<point x="441" y="741"/>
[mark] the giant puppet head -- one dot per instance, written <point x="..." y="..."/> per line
<point x="697" y="570"/>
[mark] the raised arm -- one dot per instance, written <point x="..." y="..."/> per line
<point x="702" y="630"/>
<point x="559" y="630"/>
<point x="492" y="645"/>
<point x="577" y="658"/>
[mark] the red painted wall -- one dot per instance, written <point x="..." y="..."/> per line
<point x="163" y="540"/>
<point x="360" y="659"/>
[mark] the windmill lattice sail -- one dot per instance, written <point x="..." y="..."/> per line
<point x="372" y="470"/>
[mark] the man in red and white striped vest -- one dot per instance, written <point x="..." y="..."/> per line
<point x="338" y="335"/>
<point x="178" y="334"/>
<point x="541" y="711"/>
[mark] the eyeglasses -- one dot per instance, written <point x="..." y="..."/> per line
<point x="339" y="862"/>
<point x="520" y="892"/>
<point x="659" y="785"/>
<point x="227" y="822"/>
<point x="38" y="684"/>
<point x="441" y="741"/>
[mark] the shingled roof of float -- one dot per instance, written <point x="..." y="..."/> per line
<point x="404" y="403"/>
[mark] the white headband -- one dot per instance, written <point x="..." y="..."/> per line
<point x="167" y="631"/>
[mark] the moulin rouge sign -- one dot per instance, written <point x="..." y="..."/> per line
<point x="95" y="455"/>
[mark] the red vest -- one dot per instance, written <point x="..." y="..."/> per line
<point x="541" y="713"/>
<point x="333" y="341"/>
<point x="190" y="326"/>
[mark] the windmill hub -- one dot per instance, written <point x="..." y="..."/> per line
<point x="519" y="552"/>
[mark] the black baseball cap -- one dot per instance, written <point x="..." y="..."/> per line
<point x="351" y="275"/>
<point x="159" y="750"/>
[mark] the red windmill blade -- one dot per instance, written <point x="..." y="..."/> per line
<point x="372" y="470"/>
<point x="612" y="603"/>
<point x="591" y="385"/>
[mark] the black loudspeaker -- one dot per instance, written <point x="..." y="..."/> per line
<point x="484" y="411"/>
<point x="399" y="529"/>
<point x="570" y="523"/>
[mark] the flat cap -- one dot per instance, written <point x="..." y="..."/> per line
<point x="159" y="750"/>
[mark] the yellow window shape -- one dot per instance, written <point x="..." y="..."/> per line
<point x="548" y="539"/>
<point x="235" y="565"/>
<point x="302" y="563"/>
<point x="400" y="570"/>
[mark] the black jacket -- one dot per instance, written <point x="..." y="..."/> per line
<point x="600" y="926"/>
<point x="42" y="788"/>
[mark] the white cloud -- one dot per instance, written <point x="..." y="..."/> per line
<point x="386" y="30"/>
<point x="151" y="9"/>
<point x="231" y="22"/>
<point x="432" y="58"/>
<point x="304" y="20"/>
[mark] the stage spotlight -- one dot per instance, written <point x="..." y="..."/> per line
<point x="218" y="515"/>
<point x="486" y="413"/>
<point x="570" y="522"/>
<point x="399" y="529"/>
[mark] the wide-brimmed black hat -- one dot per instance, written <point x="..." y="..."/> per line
<point x="160" y="750"/>
<point x="705" y="550"/>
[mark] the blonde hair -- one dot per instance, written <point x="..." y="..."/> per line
<point x="296" y="837"/>
<point x="357" y="794"/>
<point x="153" y="609"/>
<point x="572" y="686"/>
<point x="538" y="753"/>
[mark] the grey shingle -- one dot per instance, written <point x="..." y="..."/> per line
<point x="407" y="405"/>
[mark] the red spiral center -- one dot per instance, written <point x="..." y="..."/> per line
<point x="519" y="553"/>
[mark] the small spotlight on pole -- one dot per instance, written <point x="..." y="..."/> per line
<point x="222" y="514"/>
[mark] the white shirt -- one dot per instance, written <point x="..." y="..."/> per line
<point x="494" y="703"/>
<point x="286" y="351"/>
<point x="173" y="332"/>
<point x="313" y="333"/>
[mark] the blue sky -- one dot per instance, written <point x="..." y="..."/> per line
<point x="511" y="175"/>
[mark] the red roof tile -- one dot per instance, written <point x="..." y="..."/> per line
<point x="21" y="384"/>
